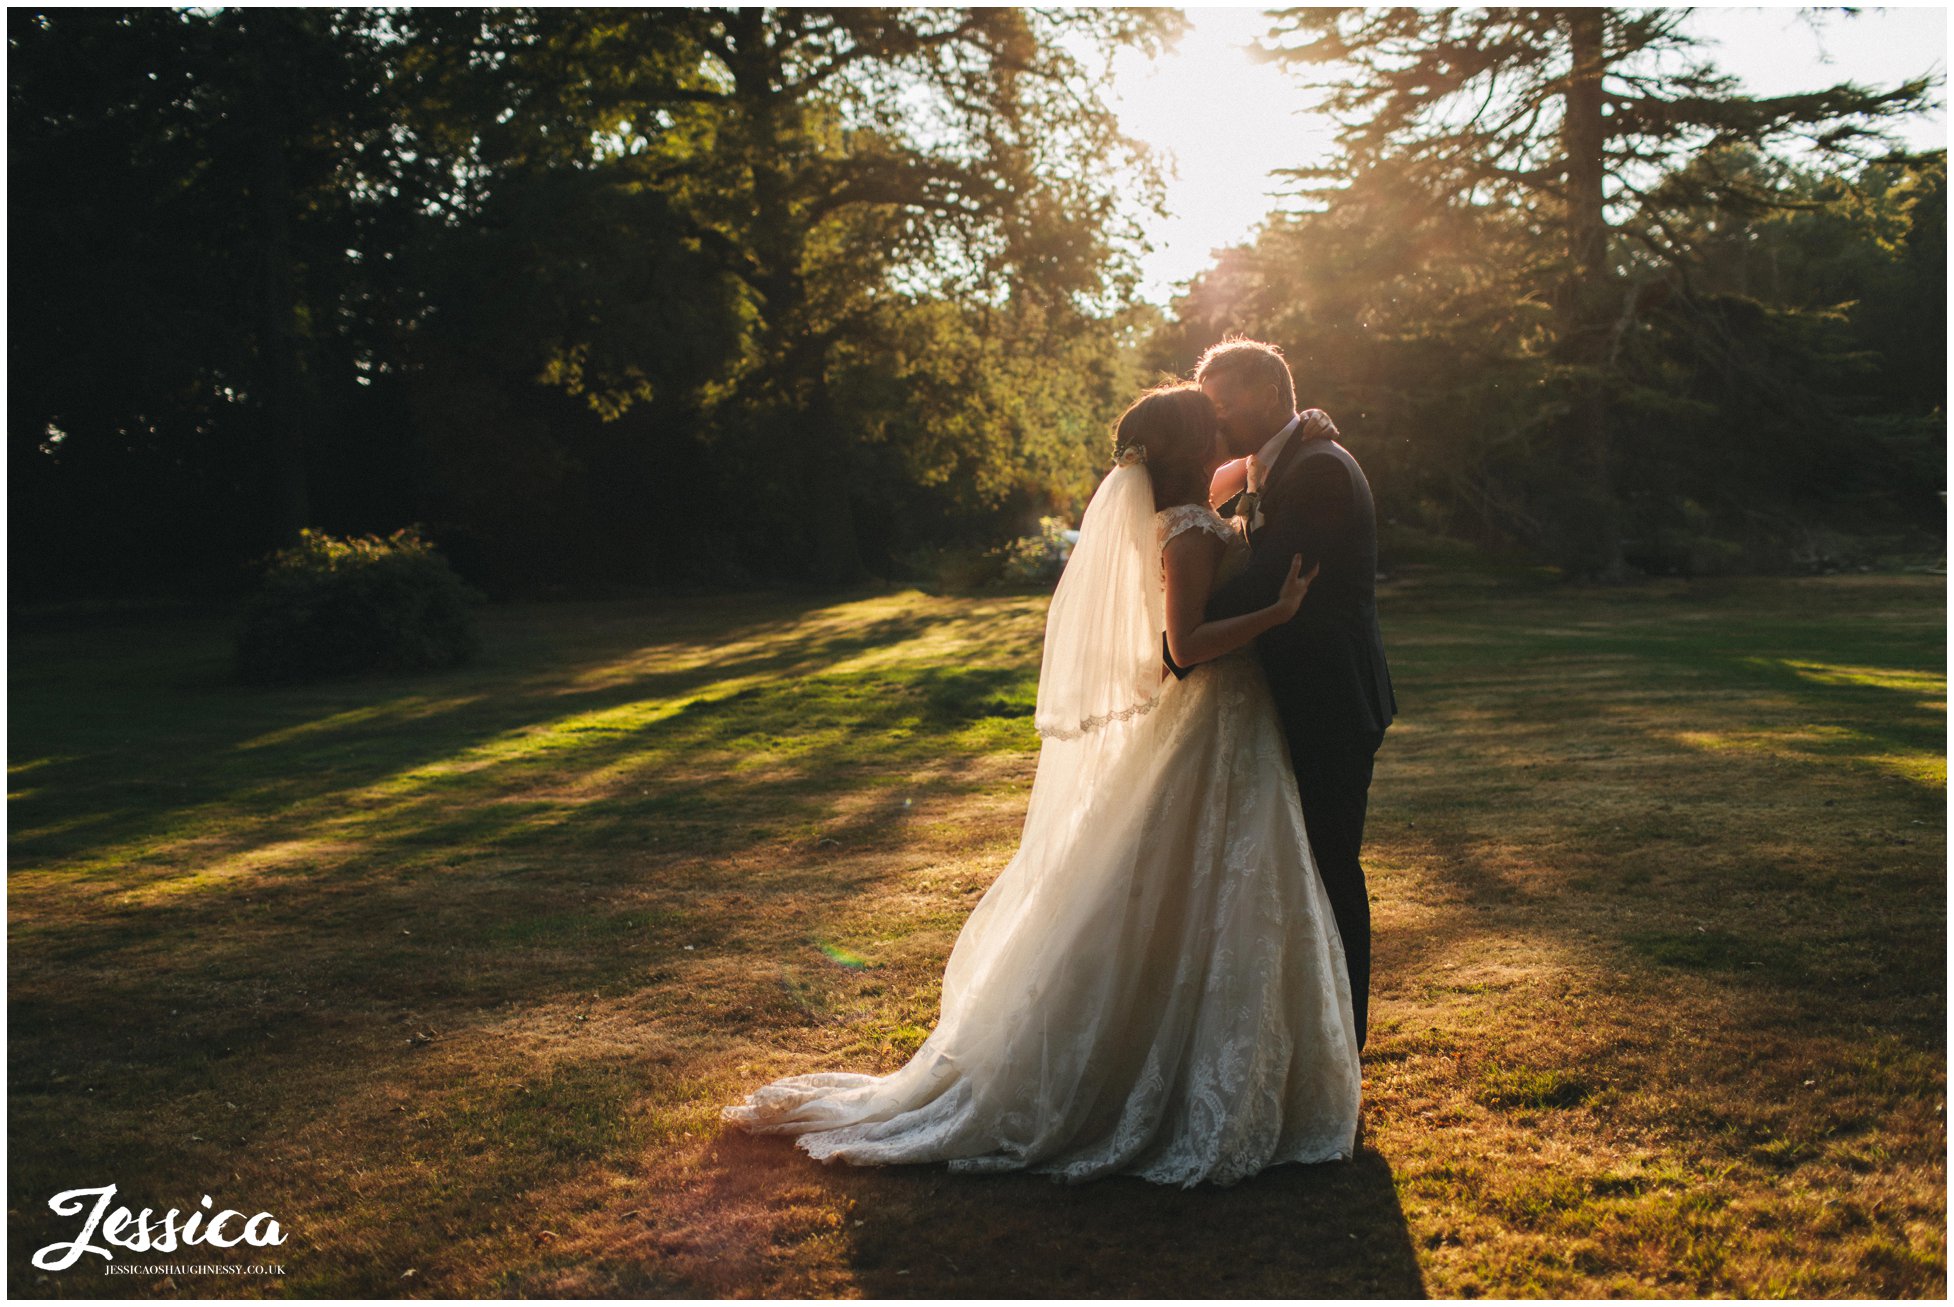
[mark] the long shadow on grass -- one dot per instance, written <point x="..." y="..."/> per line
<point x="1863" y="665"/>
<point x="408" y="896"/>
<point x="159" y="745"/>
<point x="1330" y="1231"/>
<point x="519" y="880"/>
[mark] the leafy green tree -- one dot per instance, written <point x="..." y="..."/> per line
<point x="1903" y="314"/>
<point x="1415" y="324"/>
<point x="183" y="179"/>
<point x="840" y="167"/>
<point x="1767" y="384"/>
<point x="1579" y="121"/>
<point x="564" y="283"/>
<point x="1771" y="389"/>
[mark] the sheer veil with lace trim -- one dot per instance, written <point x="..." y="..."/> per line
<point x="1102" y="633"/>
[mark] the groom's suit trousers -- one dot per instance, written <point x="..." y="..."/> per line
<point x="1335" y="790"/>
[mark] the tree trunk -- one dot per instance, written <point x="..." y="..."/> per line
<point x="1595" y="545"/>
<point x="285" y="402"/>
<point x="797" y="357"/>
<point x="831" y="514"/>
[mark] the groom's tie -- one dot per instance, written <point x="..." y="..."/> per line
<point x="1248" y="506"/>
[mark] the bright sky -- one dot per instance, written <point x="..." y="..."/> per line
<point x="1226" y="122"/>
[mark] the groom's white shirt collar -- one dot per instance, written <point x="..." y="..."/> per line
<point x="1267" y="455"/>
<point x="1273" y="449"/>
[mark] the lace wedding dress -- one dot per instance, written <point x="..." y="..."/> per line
<point x="1154" y="985"/>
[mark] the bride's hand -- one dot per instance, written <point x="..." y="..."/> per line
<point x="1316" y="423"/>
<point x="1294" y="587"/>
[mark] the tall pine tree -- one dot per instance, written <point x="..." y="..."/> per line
<point x="1580" y="120"/>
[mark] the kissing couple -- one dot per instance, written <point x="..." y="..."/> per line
<point x="1170" y="979"/>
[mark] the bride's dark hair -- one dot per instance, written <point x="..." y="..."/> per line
<point x="1175" y="425"/>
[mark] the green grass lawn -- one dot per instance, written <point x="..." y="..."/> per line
<point x="451" y="973"/>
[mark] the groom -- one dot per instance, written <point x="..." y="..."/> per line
<point x="1325" y="665"/>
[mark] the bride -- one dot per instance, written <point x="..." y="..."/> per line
<point x="1154" y="985"/>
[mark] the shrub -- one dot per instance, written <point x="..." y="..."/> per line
<point x="1037" y="560"/>
<point x="1033" y="560"/>
<point x="959" y="569"/>
<point x="328" y="606"/>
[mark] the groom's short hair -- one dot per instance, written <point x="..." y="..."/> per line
<point x="1255" y="362"/>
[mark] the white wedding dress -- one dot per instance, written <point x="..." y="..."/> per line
<point x="1154" y="985"/>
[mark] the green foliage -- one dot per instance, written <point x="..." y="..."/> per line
<point x="579" y="288"/>
<point x="1766" y="399"/>
<point x="189" y="183"/>
<point x="1038" y="559"/>
<point x="329" y="606"/>
<point x="561" y="281"/>
<point x="1534" y="183"/>
<point x="956" y="569"/>
<point x="844" y="193"/>
<point x="1768" y="395"/>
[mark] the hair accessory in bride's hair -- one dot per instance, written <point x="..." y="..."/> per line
<point x="1128" y="455"/>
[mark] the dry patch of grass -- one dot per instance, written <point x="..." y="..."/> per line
<point x="452" y="973"/>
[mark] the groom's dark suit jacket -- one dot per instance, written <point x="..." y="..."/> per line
<point x="1325" y="665"/>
